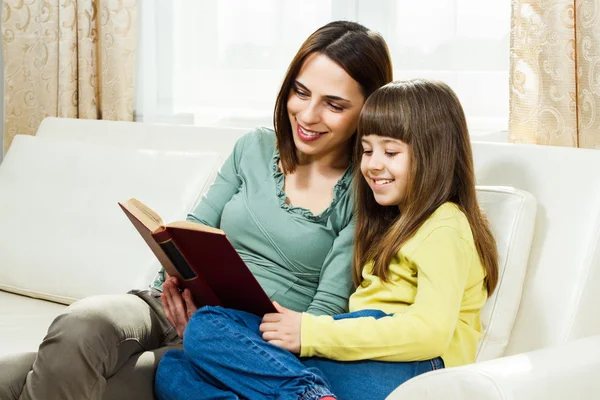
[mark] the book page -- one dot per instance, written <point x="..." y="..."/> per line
<point x="144" y="214"/>
<point x="194" y="226"/>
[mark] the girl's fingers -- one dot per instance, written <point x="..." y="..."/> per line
<point x="271" y="335"/>
<point x="278" y="343"/>
<point x="271" y="318"/>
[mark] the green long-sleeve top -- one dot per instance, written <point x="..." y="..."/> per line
<point x="300" y="259"/>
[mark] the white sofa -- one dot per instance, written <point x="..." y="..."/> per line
<point x="54" y="250"/>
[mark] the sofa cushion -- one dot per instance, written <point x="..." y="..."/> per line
<point x="63" y="235"/>
<point x="511" y="214"/>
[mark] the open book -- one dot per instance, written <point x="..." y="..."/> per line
<point x="202" y="258"/>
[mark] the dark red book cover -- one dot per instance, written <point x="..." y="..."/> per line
<point x="206" y="263"/>
<point x="212" y="256"/>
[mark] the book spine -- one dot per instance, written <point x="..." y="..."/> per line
<point x="178" y="260"/>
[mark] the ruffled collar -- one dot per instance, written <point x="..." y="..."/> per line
<point x="339" y="189"/>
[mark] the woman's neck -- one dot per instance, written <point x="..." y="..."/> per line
<point x="331" y="161"/>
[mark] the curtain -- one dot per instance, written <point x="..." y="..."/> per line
<point x="555" y="73"/>
<point x="67" y="58"/>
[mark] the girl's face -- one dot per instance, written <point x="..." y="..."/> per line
<point x="385" y="164"/>
<point x="323" y="107"/>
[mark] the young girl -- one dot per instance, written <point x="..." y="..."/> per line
<point x="424" y="264"/>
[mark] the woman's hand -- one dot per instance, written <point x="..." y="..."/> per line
<point x="179" y="306"/>
<point x="282" y="329"/>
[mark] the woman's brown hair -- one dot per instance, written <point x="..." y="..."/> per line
<point x="362" y="53"/>
<point x="429" y="118"/>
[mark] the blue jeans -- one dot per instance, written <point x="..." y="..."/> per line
<point x="225" y="357"/>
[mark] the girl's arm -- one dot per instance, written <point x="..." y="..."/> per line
<point x="335" y="281"/>
<point x="423" y="331"/>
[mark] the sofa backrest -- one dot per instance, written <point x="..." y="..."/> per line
<point x="63" y="236"/>
<point x="139" y="135"/>
<point x="560" y="293"/>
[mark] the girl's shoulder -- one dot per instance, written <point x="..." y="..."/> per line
<point x="447" y="220"/>
<point x="449" y="215"/>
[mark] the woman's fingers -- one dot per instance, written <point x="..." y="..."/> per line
<point x="189" y="303"/>
<point x="178" y="305"/>
<point x="165" y="301"/>
<point x="175" y="307"/>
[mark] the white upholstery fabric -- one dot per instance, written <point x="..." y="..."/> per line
<point x="511" y="214"/>
<point x="560" y="294"/>
<point x="567" y="371"/>
<point x="128" y="135"/>
<point x="63" y="235"/>
<point x="24" y="322"/>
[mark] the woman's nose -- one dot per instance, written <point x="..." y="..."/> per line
<point x="311" y="114"/>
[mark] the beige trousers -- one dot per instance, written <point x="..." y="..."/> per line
<point x="86" y="346"/>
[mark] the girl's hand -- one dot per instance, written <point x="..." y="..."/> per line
<point x="179" y="306"/>
<point x="282" y="329"/>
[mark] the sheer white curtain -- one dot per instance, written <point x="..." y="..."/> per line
<point x="220" y="62"/>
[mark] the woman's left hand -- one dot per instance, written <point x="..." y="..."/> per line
<point x="282" y="329"/>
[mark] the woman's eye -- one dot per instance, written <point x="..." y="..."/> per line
<point x="335" y="107"/>
<point x="300" y="93"/>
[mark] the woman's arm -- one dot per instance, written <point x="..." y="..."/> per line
<point x="179" y="307"/>
<point x="222" y="190"/>
<point x="423" y="332"/>
<point x="335" y="281"/>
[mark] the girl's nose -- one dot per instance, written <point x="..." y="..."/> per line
<point x="375" y="163"/>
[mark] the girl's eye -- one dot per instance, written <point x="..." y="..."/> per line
<point x="335" y="107"/>
<point x="390" y="153"/>
<point x="367" y="152"/>
<point x="300" y="93"/>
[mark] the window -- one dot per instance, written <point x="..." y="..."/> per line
<point x="209" y="62"/>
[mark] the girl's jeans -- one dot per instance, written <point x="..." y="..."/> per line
<point x="225" y="357"/>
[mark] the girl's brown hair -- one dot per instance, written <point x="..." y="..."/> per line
<point x="429" y="118"/>
<point x="362" y="53"/>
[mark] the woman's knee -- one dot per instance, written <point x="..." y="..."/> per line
<point x="96" y="320"/>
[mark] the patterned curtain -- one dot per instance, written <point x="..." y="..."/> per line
<point x="67" y="58"/>
<point x="555" y="73"/>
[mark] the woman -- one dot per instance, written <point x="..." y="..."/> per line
<point x="282" y="197"/>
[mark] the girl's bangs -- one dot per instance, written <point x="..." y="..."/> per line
<point x="386" y="113"/>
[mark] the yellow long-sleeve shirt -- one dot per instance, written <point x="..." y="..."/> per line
<point x="435" y="293"/>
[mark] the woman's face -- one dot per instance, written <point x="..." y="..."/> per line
<point x="323" y="106"/>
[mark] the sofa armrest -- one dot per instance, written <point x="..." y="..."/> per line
<point x="568" y="371"/>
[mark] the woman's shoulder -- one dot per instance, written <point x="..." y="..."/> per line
<point x="260" y="136"/>
<point x="259" y="143"/>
